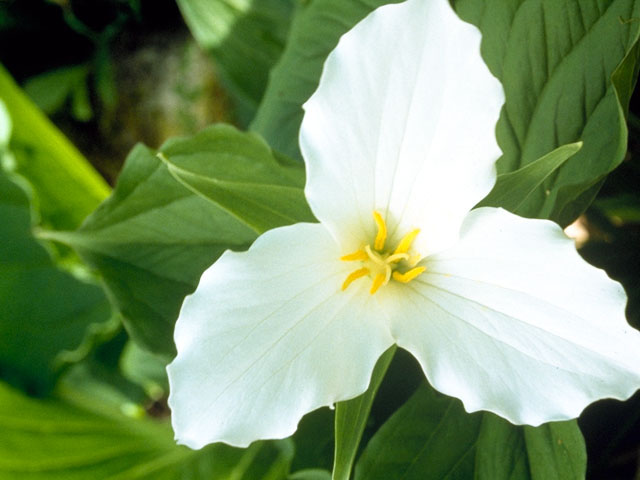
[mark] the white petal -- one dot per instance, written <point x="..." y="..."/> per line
<point x="513" y="321"/>
<point x="269" y="336"/>
<point x="402" y="122"/>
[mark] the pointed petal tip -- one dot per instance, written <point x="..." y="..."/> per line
<point x="519" y="324"/>
<point x="254" y="340"/>
<point x="381" y="127"/>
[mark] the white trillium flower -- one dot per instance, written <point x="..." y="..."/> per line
<point x="499" y="310"/>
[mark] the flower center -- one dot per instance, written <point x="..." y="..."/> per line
<point x="382" y="265"/>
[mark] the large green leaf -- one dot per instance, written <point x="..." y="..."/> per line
<point x="432" y="437"/>
<point x="314" y="33"/>
<point x="549" y="452"/>
<point x="246" y="38"/>
<point x="555" y="60"/>
<point x="243" y="177"/>
<point x="429" y="437"/>
<point x="76" y="437"/>
<point x="43" y="311"/>
<point x="66" y="186"/>
<point x="153" y="238"/>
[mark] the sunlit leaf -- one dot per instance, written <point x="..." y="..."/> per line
<point x="76" y="437"/>
<point x="153" y="238"/>
<point x="66" y="186"/>
<point x="239" y="173"/>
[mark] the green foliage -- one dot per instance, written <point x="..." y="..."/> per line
<point x="513" y="189"/>
<point x="315" y="31"/>
<point x="74" y="436"/>
<point x="243" y="177"/>
<point x="552" y="451"/>
<point x="429" y="437"/>
<point x="311" y="474"/>
<point x="66" y="187"/>
<point x="351" y="418"/>
<point x="151" y="248"/>
<point x="555" y="61"/>
<point x="568" y="71"/>
<point x="51" y="90"/>
<point x="432" y="437"/>
<point x="43" y="311"/>
<point x="246" y="38"/>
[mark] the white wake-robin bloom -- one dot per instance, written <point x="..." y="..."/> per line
<point x="500" y="311"/>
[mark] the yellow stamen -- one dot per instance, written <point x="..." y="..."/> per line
<point x="407" y="240"/>
<point x="378" y="281"/>
<point x="414" y="259"/>
<point x="359" y="255"/>
<point x="374" y="257"/>
<point x="387" y="274"/>
<point x="396" y="257"/>
<point x="354" y="276"/>
<point x="380" y="264"/>
<point x="378" y="244"/>
<point x="408" y="276"/>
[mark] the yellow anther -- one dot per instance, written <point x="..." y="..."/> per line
<point x="381" y="237"/>
<point x="407" y="240"/>
<point x="359" y="255"/>
<point x="380" y="264"/>
<point x="378" y="281"/>
<point x="408" y="276"/>
<point x="361" y="272"/>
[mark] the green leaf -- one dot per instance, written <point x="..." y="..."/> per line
<point x="5" y="129"/>
<point x="75" y="437"/>
<point x="66" y="186"/>
<point x="246" y="37"/>
<point x="314" y="441"/>
<point x="150" y="241"/>
<point x="513" y="189"/>
<point x="429" y="437"/>
<point x="552" y="451"/>
<point x="51" y="90"/>
<point x="555" y="60"/>
<point x="315" y="31"/>
<point x="44" y="312"/>
<point x="146" y="369"/>
<point x="238" y="172"/>
<point x="351" y="418"/>
<point x="311" y="474"/>
<point x="153" y="238"/>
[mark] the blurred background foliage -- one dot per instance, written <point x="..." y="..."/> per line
<point x="110" y="74"/>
